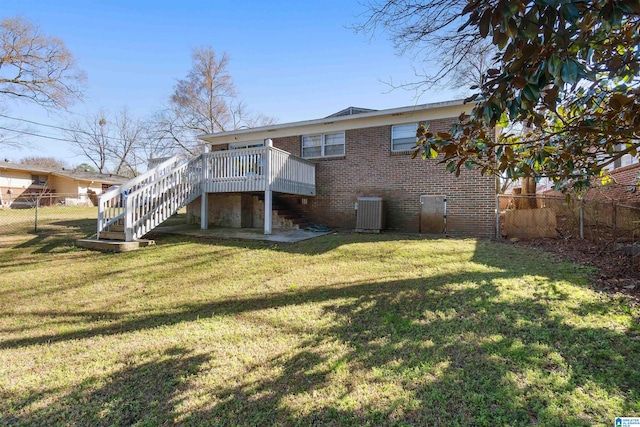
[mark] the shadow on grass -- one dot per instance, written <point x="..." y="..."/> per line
<point x="454" y="351"/>
<point x="316" y="246"/>
<point x="156" y="268"/>
<point x="59" y="236"/>
<point x="484" y="364"/>
<point x="139" y="394"/>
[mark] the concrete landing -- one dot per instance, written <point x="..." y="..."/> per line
<point x="114" y="245"/>
<point x="279" y="236"/>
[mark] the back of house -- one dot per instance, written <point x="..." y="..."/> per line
<point x="360" y="154"/>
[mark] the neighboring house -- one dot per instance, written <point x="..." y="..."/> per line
<point x="622" y="186"/>
<point x="625" y="160"/>
<point x="20" y="184"/>
<point x="311" y="172"/>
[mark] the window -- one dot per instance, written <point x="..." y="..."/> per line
<point x="241" y="145"/>
<point x="247" y="164"/>
<point x="328" y="145"/>
<point x="39" y="179"/>
<point x="403" y="137"/>
<point x="625" y="160"/>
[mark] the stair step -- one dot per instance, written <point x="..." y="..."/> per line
<point x="114" y="245"/>
<point x="286" y="211"/>
<point x="116" y="227"/>
<point x="112" y="235"/>
<point x="287" y="215"/>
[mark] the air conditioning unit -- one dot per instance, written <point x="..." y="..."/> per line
<point x="369" y="215"/>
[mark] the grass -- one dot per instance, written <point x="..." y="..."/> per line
<point x="339" y="330"/>
<point x="50" y="219"/>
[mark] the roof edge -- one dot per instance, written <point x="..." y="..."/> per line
<point x="326" y="120"/>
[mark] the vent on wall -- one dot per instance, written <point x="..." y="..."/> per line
<point x="369" y="214"/>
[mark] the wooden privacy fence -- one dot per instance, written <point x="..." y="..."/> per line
<point x="531" y="223"/>
<point x="550" y="216"/>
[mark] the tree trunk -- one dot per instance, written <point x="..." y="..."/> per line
<point x="529" y="189"/>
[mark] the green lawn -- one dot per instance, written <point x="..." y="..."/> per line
<point x="50" y="219"/>
<point x="340" y="330"/>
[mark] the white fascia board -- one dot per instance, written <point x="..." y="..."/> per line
<point x="394" y="116"/>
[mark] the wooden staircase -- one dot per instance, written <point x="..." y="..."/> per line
<point x="113" y="232"/>
<point x="128" y="212"/>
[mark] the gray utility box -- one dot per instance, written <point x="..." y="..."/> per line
<point x="370" y="216"/>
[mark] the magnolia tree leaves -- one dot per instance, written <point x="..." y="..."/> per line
<point x="567" y="71"/>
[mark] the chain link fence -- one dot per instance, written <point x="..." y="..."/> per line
<point x="600" y="221"/>
<point x="47" y="212"/>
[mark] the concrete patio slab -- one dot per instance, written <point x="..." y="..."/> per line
<point x="114" y="245"/>
<point x="279" y="236"/>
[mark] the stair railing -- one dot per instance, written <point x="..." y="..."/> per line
<point x="111" y="203"/>
<point x="152" y="204"/>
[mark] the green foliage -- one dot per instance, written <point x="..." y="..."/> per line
<point x="82" y="167"/>
<point x="567" y="71"/>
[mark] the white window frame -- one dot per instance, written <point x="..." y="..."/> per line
<point x="323" y="138"/>
<point x="393" y="138"/>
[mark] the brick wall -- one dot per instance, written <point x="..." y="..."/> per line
<point x="235" y="210"/>
<point x="368" y="168"/>
<point x="623" y="187"/>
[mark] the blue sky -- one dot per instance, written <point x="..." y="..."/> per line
<point x="294" y="60"/>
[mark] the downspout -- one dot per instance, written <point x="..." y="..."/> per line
<point x="445" y="214"/>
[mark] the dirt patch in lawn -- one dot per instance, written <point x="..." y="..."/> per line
<point x="617" y="271"/>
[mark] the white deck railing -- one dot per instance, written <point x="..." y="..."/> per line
<point x="235" y="170"/>
<point x="149" y="199"/>
<point x="291" y="174"/>
<point x="258" y="169"/>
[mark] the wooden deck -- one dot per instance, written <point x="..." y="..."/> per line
<point x="147" y="200"/>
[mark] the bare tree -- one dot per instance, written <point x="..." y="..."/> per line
<point x="203" y="97"/>
<point x="36" y="67"/>
<point x="49" y="162"/>
<point x="126" y="140"/>
<point x="91" y="139"/>
<point x="168" y="130"/>
<point x="432" y="30"/>
<point x="120" y="143"/>
<point x="244" y="117"/>
<point x="204" y="102"/>
<point x="471" y="72"/>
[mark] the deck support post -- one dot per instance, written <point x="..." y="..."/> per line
<point x="204" y="198"/>
<point x="204" y="211"/>
<point x="268" y="193"/>
<point x="268" y="211"/>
